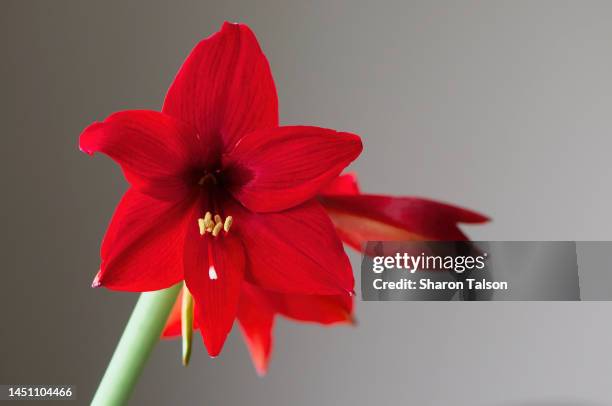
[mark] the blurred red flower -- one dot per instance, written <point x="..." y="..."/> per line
<point x="362" y="217"/>
<point x="220" y="195"/>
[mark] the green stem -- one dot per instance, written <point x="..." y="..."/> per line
<point x="139" y="337"/>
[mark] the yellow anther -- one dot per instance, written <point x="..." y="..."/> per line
<point x="228" y="223"/>
<point x="217" y="229"/>
<point x="206" y="223"/>
<point x="202" y="225"/>
<point x="208" y="217"/>
<point x="214" y="224"/>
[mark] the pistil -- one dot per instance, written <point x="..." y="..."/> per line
<point x="186" y="323"/>
<point x="208" y="177"/>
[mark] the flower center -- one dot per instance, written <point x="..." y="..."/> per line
<point x="208" y="177"/>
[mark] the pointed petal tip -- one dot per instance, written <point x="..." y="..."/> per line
<point x="476" y="218"/>
<point x="485" y="219"/>
<point x="470" y="216"/>
<point x="232" y="25"/>
<point x="86" y="136"/>
<point x="354" y="143"/>
<point x="97" y="282"/>
<point x="260" y="363"/>
<point x="229" y="24"/>
<point x="261" y="370"/>
<point x="85" y="151"/>
<point x="213" y="349"/>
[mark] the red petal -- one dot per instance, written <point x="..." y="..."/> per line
<point x="296" y="250"/>
<point x="216" y="300"/>
<point x="256" y="319"/>
<point x="275" y="169"/>
<point x="143" y="246"/>
<point x="323" y="309"/>
<point x="345" y="184"/>
<point x="362" y="218"/>
<point x="173" y="323"/>
<point x="153" y="149"/>
<point x="225" y="86"/>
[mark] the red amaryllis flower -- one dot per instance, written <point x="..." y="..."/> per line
<point x="257" y="310"/>
<point x="364" y="217"/>
<point x="219" y="192"/>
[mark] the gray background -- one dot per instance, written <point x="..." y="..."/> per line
<point x="500" y="106"/>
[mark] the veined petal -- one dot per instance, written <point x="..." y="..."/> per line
<point x="153" y="149"/>
<point x="256" y="320"/>
<point x="294" y="251"/>
<point x="275" y="169"/>
<point x="225" y="86"/>
<point x="143" y="246"/>
<point x="361" y="218"/>
<point x="214" y="269"/>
